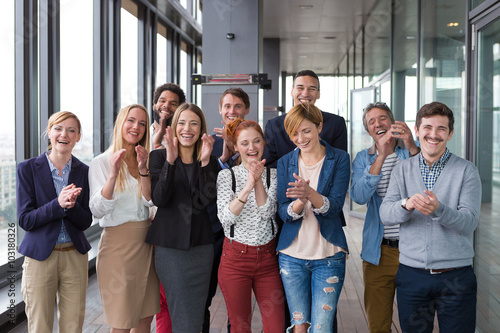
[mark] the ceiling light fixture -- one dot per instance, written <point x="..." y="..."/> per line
<point x="452" y="24"/>
<point x="305" y="7"/>
<point x="303" y="37"/>
<point x="303" y="57"/>
<point x="329" y="37"/>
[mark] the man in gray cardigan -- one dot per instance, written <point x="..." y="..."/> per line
<point x="436" y="198"/>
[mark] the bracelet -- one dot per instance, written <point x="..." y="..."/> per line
<point x="146" y="175"/>
<point x="243" y="202"/>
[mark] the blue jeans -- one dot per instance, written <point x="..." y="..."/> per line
<point x="312" y="289"/>
<point x="451" y="294"/>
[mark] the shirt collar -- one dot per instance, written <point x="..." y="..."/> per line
<point x="66" y="168"/>
<point x="441" y="161"/>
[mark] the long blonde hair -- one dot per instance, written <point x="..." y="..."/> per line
<point x="117" y="143"/>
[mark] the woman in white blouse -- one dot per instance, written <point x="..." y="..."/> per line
<point x="246" y="203"/>
<point x="120" y="189"/>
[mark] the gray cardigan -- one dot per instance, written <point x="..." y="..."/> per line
<point x="443" y="239"/>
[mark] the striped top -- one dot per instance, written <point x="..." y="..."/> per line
<point x="389" y="164"/>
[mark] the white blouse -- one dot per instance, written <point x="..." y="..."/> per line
<point x="253" y="225"/>
<point x="125" y="206"/>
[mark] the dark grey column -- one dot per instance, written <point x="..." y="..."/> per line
<point x="271" y="66"/>
<point x="240" y="55"/>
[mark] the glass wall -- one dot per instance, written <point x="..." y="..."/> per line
<point x="183" y="80"/>
<point x="8" y="215"/>
<point x="161" y="54"/>
<point x="129" y="51"/>
<point x="76" y="22"/>
<point x="487" y="101"/>
<point x="404" y="72"/>
<point x="442" y="61"/>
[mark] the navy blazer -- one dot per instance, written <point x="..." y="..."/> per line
<point x="333" y="183"/>
<point x="39" y="212"/>
<point x="334" y="132"/>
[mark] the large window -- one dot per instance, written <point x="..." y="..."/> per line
<point x="76" y="22"/>
<point x="442" y="61"/>
<point x="183" y="80"/>
<point x="7" y="134"/>
<point x="129" y="53"/>
<point x="161" y="55"/>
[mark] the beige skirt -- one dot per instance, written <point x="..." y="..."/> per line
<point x="126" y="275"/>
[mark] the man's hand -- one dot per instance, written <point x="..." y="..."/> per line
<point x="426" y="203"/>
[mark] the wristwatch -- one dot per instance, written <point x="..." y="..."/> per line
<point x="403" y="203"/>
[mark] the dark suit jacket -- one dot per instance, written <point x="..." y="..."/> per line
<point x="39" y="212"/>
<point x="279" y="144"/>
<point x="181" y="220"/>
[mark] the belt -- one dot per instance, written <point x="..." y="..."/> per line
<point x="390" y="242"/>
<point x="441" y="270"/>
<point x="72" y="247"/>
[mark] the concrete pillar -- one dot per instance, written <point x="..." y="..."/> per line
<point x="271" y="66"/>
<point x="241" y="55"/>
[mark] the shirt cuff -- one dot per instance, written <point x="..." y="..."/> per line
<point x="324" y="208"/>
<point x="223" y="165"/>
<point x="294" y="215"/>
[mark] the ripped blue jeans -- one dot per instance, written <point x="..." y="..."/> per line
<point x="312" y="289"/>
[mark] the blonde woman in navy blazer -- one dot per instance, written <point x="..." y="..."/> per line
<point x="53" y="209"/>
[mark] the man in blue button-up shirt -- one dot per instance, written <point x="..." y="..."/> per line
<point x="372" y="167"/>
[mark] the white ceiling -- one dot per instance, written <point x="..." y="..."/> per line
<point x="340" y="19"/>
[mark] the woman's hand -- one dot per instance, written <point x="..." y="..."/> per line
<point x="142" y="159"/>
<point x="256" y="168"/>
<point x="206" y="148"/>
<point x="67" y="196"/>
<point x="116" y="161"/>
<point x="171" y="144"/>
<point x="299" y="189"/>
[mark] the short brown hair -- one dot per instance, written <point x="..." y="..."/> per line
<point x="298" y="113"/>
<point x="435" y="109"/>
<point x="238" y="92"/>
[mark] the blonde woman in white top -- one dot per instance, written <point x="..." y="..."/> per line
<point x="120" y="189"/>
<point x="246" y="205"/>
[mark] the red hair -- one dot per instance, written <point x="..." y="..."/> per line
<point x="234" y="128"/>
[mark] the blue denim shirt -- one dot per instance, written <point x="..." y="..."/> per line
<point x="364" y="191"/>
<point x="333" y="183"/>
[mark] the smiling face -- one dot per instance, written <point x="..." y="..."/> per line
<point x="188" y="128"/>
<point x="232" y="107"/>
<point x="167" y="104"/>
<point x="305" y="90"/>
<point x="250" y="145"/>
<point x="306" y="137"/>
<point x="378" y="122"/>
<point x="433" y="133"/>
<point x="64" y="135"/>
<point x="134" y="127"/>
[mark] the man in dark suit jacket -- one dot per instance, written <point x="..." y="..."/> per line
<point x="305" y="90"/>
<point x="234" y="103"/>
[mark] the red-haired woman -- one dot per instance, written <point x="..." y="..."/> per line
<point x="246" y="203"/>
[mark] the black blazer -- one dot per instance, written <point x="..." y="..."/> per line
<point x="181" y="220"/>
<point x="279" y="144"/>
<point x="39" y="211"/>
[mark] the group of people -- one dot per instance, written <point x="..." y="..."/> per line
<point x="183" y="211"/>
